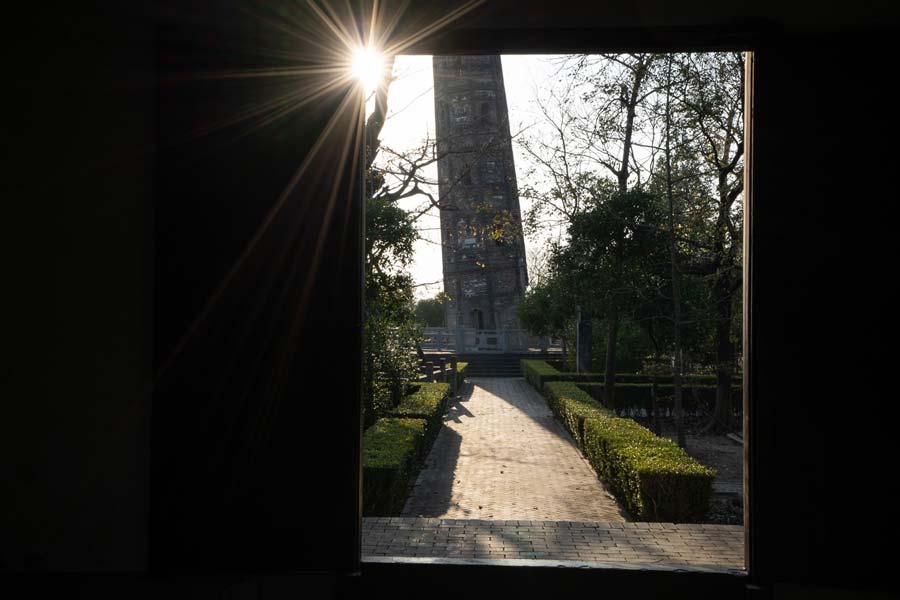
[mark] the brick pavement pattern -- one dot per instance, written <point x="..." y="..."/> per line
<point x="502" y="455"/>
<point x="717" y="547"/>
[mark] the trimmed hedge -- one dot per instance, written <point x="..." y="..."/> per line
<point x="535" y="371"/>
<point x="392" y="449"/>
<point x="657" y="480"/>
<point x="539" y="372"/>
<point x="638" y="396"/>
<point x="462" y="369"/>
<point x="573" y="406"/>
<point x="425" y="401"/>
<point x="693" y="380"/>
<point x="652" y="476"/>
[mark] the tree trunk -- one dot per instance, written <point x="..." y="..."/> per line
<point x="369" y="387"/>
<point x="375" y="122"/>
<point x="609" y="373"/>
<point x="723" y="413"/>
<point x="676" y="273"/>
<point x="584" y="343"/>
<point x="722" y="291"/>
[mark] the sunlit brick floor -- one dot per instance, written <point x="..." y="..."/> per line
<point x="505" y="481"/>
<point x="720" y="547"/>
<point x="502" y="455"/>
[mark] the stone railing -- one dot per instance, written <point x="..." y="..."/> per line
<point x="467" y="339"/>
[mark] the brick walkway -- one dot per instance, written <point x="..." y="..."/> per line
<point x="501" y="455"/>
<point x="504" y="481"/>
<point x="715" y="547"/>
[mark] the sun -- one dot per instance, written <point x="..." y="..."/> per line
<point x="368" y="68"/>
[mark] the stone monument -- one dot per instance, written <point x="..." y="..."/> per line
<point x="483" y="248"/>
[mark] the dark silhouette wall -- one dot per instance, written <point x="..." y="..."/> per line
<point x="115" y="241"/>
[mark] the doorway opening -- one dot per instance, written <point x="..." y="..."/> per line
<point x="608" y="395"/>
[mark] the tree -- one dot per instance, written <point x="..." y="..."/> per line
<point x="390" y="331"/>
<point x="675" y="268"/>
<point x="617" y="118"/>
<point x="615" y="88"/>
<point x="545" y="310"/>
<point x="430" y="311"/>
<point x="709" y="105"/>
<point x="611" y="264"/>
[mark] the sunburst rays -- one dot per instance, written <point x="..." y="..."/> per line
<point x="337" y="36"/>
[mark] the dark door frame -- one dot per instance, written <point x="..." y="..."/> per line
<point x="640" y="581"/>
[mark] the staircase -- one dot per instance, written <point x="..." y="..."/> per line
<point x="496" y="365"/>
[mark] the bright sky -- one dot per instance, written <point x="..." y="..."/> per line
<point x="411" y="118"/>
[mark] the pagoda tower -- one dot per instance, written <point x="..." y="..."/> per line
<point x="483" y="247"/>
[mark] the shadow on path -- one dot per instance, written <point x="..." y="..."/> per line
<point x="432" y="492"/>
<point x="501" y="455"/>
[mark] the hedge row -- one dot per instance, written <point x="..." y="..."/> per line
<point x="394" y="447"/>
<point x="535" y="371"/>
<point x="654" y="478"/>
<point x="573" y="406"/>
<point x="539" y="372"/>
<point x="462" y="369"/>
<point x="426" y="401"/>
<point x="631" y="396"/>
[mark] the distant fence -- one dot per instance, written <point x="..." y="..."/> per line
<point x="439" y="339"/>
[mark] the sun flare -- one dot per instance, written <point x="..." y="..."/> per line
<point x="368" y="68"/>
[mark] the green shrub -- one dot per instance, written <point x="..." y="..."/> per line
<point x="652" y="476"/>
<point x="628" y="395"/>
<point x="578" y="377"/>
<point x="535" y="370"/>
<point x="462" y="369"/>
<point x="392" y="450"/>
<point x="425" y="401"/>
<point x="667" y="379"/>
<point x="572" y="406"/>
<point x="539" y="372"/>
<point x="636" y="396"/>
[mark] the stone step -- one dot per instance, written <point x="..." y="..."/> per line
<point x="494" y="364"/>
<point x="727" y="487"/>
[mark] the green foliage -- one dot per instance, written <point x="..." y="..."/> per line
<point x="391" y="332"/>
<point x="652" y="476"/>
<point x="616" y="260"/>
<point x="656" y="480"/>
<point x="546" y="309"/>
<point x="535" y="370"/>
<point x="633" y="344"/>
<point x="426" y="401"/>
<point x="697" y="398"/>
<point x="573" y="407"/>
<point x="390" y="361"/>
<point x="497" y="224"/>
<point x="462" y="369"/>
<point x="390" y="235"/>
<point x="392" y="449"/>
<point x="430" y="311"/>
<point x="615" y="254"/>
<point x="539" y="372"/>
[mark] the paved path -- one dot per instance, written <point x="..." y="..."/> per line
<point x="501" y="455"/>
<point x="716" y="547"/>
